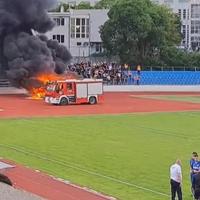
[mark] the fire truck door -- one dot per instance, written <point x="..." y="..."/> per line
<point x="70" y="89"/>
<point x="59" y="88"/>
<point x="81" y="90"/>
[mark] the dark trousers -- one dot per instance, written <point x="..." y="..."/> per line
<point x="175" y="188"/>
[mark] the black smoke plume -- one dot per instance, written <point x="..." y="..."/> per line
<point x="23" y="54"/>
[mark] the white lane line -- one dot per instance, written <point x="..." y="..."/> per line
<point x="72" y="165"/>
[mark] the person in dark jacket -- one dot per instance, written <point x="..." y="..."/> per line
<point x="196" y="186"/>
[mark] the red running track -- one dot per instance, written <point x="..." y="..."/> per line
<point x="12" y="106"/>
<point x="47" y="187"/>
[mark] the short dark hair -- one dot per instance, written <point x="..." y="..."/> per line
<point x="195" y="154"/>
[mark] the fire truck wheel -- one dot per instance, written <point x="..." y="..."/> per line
<point x="63" y="101"/>
<point x="92" y="100"/>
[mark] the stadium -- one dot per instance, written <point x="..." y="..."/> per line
<point x="122" y="147"/>
<point x="116" y="134"/>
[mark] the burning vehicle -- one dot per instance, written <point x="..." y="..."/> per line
<point x="64" y="92"/>
<point x="37" y="86"/>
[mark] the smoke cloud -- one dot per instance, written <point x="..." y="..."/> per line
<point x="22" y="54"/>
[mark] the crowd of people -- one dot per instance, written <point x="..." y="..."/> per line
<point x="110" y="73"/>
<point x="176" y="178"/>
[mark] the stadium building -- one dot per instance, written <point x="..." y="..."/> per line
<point x="189" y="12"/>
<point x="79" y="30"/>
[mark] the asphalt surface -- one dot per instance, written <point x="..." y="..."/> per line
<point x="9" y="193"/>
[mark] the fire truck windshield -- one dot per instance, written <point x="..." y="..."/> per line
<point x="51" y="88"/>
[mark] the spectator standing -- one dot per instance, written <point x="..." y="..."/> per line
<point x="129" y="76"/>
<point x="138" y="69"/>
<point x="108" y="79"/>
<point x="137" y="79"/>
<point x="119" y="80"/>
<point x="124" y="77"/>
<point x="126" y="67"/>
<point x="176" y="180"/>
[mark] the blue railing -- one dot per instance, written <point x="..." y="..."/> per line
<point x="166" y="78"/>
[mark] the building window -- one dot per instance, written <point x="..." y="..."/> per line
<point x="79" y="28"/>
<point x="188" y="14"/>
<point x="195" y="27"/>
<point x="179" y="13"/>
<point x="184" y="13"/>
<point x="78" y="43"/>
<point x="195" y="43"/>
<point x="98" y="47"/>
<point x="184" y="31"/>
<point x="73" y="28"/>
<point x="188" y="35"/>
<point x="87" y="28"/>
<point x="60" y="21"/>
<point x="62" y="39"/>
<point x="195" y="10"/>
<point x="59" y="38"/>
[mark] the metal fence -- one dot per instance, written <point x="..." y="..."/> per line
<point x="159" y="68"/>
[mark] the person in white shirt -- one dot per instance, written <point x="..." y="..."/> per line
<point x="176" y="180"/>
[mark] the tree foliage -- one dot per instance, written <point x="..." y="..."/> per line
<point x="84" y="5"/>
<point x="104" y="4"/>
<point x="172" y="56"/>
<point x="137" y="30"/>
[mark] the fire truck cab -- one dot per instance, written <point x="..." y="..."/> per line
<point x="74" y="92"/>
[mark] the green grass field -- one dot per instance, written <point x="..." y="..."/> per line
<point x="110" y="154"/>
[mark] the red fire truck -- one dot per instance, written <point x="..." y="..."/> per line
<point x="74" y="92"/>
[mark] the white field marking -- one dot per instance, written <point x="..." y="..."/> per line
<point x="1" y="110"/>
<point x="72" y="165"/>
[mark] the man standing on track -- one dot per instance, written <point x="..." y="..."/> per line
<point x="176" y="180"/>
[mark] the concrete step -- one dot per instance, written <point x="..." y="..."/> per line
<point x="5" y="83"/>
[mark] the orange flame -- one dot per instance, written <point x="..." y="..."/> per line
<point x="37" y="93"/>
<point x="44" y="79"/>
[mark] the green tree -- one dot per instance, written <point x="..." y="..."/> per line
<point x="84" y="5"/>
<point x="104" y="4"/>
<point x="137" y="30"/>
<point x="172" y="56"/>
